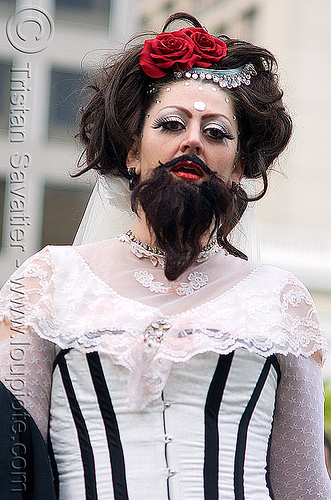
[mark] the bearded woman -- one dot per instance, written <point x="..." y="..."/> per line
<point x="163" y="364"/>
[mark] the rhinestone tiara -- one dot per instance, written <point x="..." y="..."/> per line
<point x="229" y="78"/>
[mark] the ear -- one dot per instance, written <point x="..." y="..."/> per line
<point x="133" y="156"/>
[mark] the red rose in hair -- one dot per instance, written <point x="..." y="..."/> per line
<point x="209" y="48"/>
<point x="167" y="50"/>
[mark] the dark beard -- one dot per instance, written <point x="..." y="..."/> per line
<point x="180" y="213"/>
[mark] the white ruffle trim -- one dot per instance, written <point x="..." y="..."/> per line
<point x="269" y="312"/>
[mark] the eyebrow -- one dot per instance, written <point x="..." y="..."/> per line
<point x="189" y="114"/>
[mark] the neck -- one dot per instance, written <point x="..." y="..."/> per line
<point x="141" y="231"/>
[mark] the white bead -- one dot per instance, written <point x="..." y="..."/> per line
<point x="171" y="472"/>
<point x="199" y="105"/>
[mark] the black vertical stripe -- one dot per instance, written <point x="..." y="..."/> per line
<point x="275" y="364"/>
<point x="56" y="479"/>
<point x="54" y="467"/>
<point x="111" y="427"/>
<point x="58" y="358"/>
<point x="213" y="401"/>
<point x="242" y="432"/>
<point x="267" y="476"/>
<point x="83" y="436"/>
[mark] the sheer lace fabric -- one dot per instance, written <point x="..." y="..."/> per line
<point x="88" y="298"/>
<point x="26" y="370"/>
<point x="297" y="463"/>
<point x="25" y="358"/>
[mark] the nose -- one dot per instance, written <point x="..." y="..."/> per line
<point x="192" y="142"/>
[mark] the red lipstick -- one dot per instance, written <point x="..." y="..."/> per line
<point x="187" y="170"/>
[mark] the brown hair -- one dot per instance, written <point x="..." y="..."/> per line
<point x="118" y="107"/>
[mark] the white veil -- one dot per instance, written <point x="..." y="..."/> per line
<point x="109" y="214"/>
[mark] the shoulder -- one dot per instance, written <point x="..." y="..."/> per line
<point x="276" y="278"/>
<point x="288" y="287"/>
<point x="277" y="304"/>
<point x="63" y="255"/>
<point x="261" y="276"/>
<point x="299" y="314"/>
<point x="292" y="296"/>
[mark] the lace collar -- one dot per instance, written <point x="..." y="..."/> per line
<point x="157" y="257"/>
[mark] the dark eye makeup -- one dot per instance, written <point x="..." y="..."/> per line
<point x="213" y="130"/>
<point x="169" y="124"/>
<point x="216" y="131"/>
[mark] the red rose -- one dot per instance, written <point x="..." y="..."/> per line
<point x="209" y="48"/>
<point x="166" y="50"/>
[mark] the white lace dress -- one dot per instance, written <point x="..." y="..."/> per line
<point x="200" y="389"/>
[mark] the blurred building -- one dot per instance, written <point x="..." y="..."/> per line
<point x="38" y="145"/>
<point x="40" y="92"/>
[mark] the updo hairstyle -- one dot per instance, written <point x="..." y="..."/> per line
<point x="116" y="111"/>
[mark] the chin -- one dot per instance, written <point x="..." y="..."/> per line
<point x="180" y="211"/>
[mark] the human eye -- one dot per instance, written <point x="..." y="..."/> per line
<point x="169" y="124"/>
<point x="217" y="132"/>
